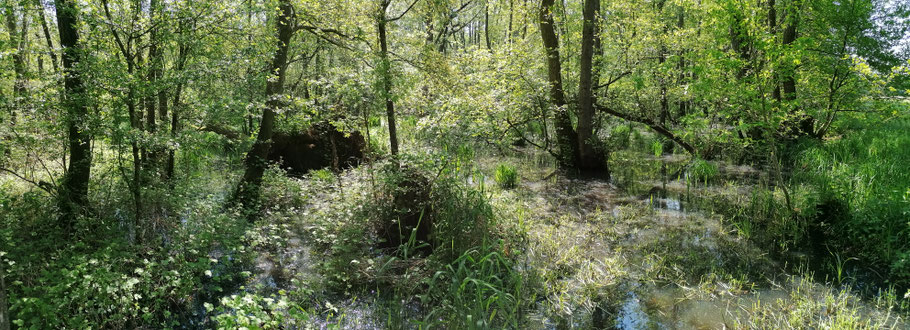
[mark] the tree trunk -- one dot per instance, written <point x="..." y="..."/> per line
<point x="789" y="84"/>
<point x="740" y="42"/>
<point x="591" y="158"/>
<point x="156" y="101"/>
<point x="18" y="38"/>
<point x="565" y="134"/>
<point x="248" y="190"/>
<point x="509" y="34"/>
<point x="385" y="67"/>
<point x="681" y="66"/>
<point x="47" y="35"/>
<point x="772" y="27"/>
<point x="4" y="309"/>
<point x="73" y="195"/>
<point x="175" y="114"/>
<point x="486" y="25"/>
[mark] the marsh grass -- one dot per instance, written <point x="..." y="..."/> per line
<point x="862" y="183"/>
<point x="811" y="305"/>
<point x="506" y="176"/>
<point x="469" y="279"/>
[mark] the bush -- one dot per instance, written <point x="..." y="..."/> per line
<point x="506" y="176"/>
<point x="465" y="272"/>
<point x="252" y="311"/>
<point x="95" y="277"/>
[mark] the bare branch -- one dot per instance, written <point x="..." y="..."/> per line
<point x="40" y="184"/>
<point x="403" y="13"/>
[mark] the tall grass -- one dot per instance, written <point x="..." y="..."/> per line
<point x="863" y="185"/>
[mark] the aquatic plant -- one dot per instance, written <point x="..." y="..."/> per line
<point x="506" y="176"/>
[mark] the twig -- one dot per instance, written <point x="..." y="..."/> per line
<point x="40" y="184"/>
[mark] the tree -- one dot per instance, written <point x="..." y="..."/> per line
<point x="4" y="308"/>
<point x="590" y="157"/>
<point x="73" y="194"/>
<point x="385" y="67"/>
<point x="247" y="193"/>
<point x="385" y="74"/>
<point x="131" y="51"/>
<point x="47" y="34"/>
<point x="566" y="138"/>
<point x="18" y="32"/>
<point x="799" y="124"/>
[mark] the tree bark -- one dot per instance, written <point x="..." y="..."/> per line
<point x="658" y="128"/>
<point x="591" y="158"/>
<point x="156" y="101"/>
<point x="47" y="35"/>
<point x="740" y="42"/>
<point x="385" y="67"/>
<point x="566" y="138"/>
<point x="509" y="33"/>
<point x="772" y="27"/>
<point x="19" y="38"/>
<point x="789" y="36"/>
<point x="4" y="308"/>
<point x="486" y="25"/>
<point x="683" y="105"/>
<point x="73" y="195"/>
<point x="248" y="190"/>
<point x="175" y="113"/>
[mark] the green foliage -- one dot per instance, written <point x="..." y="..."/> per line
<point x="811" y="306"/>
<point x="185" y="79"/>
<point x="702" y="170"/>
<point x="106" y="278"/>
<point x="481" y="289"/>
<point x="620" y="137"/>
<point x="862" y="190"/>
<point x="252" y="311"/>
<point x="657" y="148"/>
<point x="506" y="176"/>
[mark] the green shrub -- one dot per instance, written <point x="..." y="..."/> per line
<point x="465" y="274"/>
<point x="506" y="176"/>
<point x="252" y="311"/>
<point x="104" y="274"/>
<point x="324" y="175"/>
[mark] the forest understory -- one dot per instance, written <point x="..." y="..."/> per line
<point x="454" y="164"/>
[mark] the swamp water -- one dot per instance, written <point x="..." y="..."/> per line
<point x="636" y="252"/>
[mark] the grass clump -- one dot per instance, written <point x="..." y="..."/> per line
<point x="702" y="170"/>
<point x="506" y="176"/>
<point x="412" y="228"/>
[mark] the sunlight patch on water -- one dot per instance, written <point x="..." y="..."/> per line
<point x="631" y="315"/>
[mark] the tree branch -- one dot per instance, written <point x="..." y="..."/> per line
<point x="403" y="13"/>
<point x="613" y="80"/>
<point x="40" y="184"/>
<point x="660" y="129"/>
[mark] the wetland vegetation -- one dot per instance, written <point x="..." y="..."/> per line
<point x="455" y="164"/>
